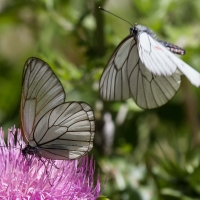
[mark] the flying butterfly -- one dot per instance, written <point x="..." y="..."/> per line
<point x="146" y="69"/>
<point x="52" y="128"/>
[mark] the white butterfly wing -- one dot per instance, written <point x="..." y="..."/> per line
<point x="160" y="61"/>
<point x="65" y="132"/>
<point x="114" y="83"/>
<point x="151" y="91"/>
<point x="126" y="76"/>
<point x="41" y="91"/>
<point x="56" y="129"/>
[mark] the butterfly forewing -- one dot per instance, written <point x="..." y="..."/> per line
<point x="41" y="91"/>
<point x="155" y="56"/>
<point x="114" y="80"/>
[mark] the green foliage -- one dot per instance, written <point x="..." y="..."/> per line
<point x="102" y="198"/>
<point x="155" y="153"/>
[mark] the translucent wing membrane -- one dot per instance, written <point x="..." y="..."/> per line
<point x="41" y="91"/>
<point x="150" y="91"/>
<point x="114" y="83"/>
<point x="160" y="61"/>
<point x="132" y="78"/>
<point x="53" y="129"/>
<point x="65" y="132"/>
<point x="143" y="68"/>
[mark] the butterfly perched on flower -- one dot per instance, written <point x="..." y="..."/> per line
<point x="52" y="128"/>
<point x="146" y="69"/>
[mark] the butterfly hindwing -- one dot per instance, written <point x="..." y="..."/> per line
<point x="151" y="91"/>
<point x="65" y="132"/>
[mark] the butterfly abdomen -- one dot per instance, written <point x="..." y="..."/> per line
<point x="173" y="48"/>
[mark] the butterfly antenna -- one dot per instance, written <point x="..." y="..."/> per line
<point x="115" y="15"/>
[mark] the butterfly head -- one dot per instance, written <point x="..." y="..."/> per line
<point x="137" y="29"/>
<point x="134" y="31"/>
<point x="29" y="150"/>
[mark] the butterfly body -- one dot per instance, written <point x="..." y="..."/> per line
<point x="137" y="29"/>
<point x="51" y="127"/>
<point x="173" y="48"/>
<point x="145" y="68"/>
<point x="29" y="150"/>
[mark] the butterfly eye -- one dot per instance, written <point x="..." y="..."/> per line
<point x="133" y="31"/>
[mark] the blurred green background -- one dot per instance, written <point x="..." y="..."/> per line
<point x="143" y="154"/>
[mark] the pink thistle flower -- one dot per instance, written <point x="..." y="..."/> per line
<point x="43" y="180"/>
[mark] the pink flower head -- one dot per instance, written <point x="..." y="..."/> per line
<point x="43" y="180"/>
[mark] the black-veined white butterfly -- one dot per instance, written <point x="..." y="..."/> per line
<point x="146" y="69"/>
<point x="51" y="127"/>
